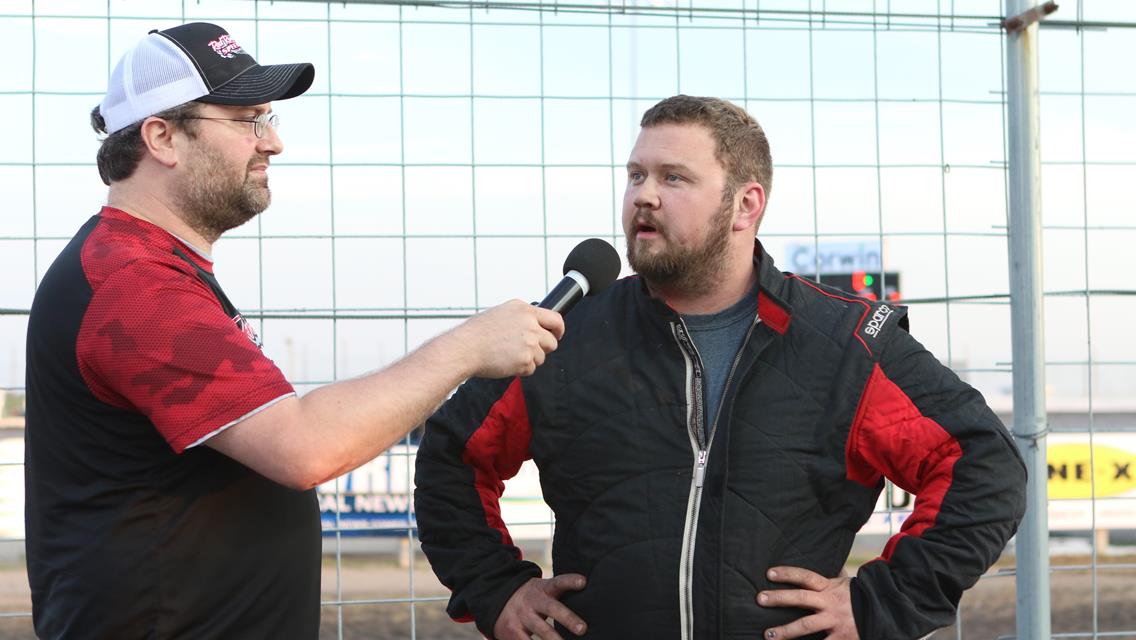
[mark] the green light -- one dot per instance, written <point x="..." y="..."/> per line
<point x="868" y="280"/>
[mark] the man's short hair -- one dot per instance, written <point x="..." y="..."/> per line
<point x="121" y="151"/>
<point x="740" y="143"/>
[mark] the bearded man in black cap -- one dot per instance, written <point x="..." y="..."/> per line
<point x="170" y="466"/>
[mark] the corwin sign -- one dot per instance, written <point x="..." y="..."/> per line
<point x="834" y="257"/>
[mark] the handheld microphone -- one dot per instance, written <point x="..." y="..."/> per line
<point x="589" y="268"/>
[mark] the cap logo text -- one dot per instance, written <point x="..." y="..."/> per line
<point x="225" y="46"/>
<point x="246" y="328"/>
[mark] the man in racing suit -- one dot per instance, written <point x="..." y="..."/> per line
<point x="713" y="432"/>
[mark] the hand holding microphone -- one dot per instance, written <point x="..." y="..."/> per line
<point x="493" y="334"/>
<point x="589" y="268"/>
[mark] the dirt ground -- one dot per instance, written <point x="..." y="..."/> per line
<point x="987" y="609"/>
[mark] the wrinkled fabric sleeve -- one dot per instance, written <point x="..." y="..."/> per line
<point x="934" y="436"/>
<point x="476" y="441"/>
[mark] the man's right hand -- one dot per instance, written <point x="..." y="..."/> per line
<point x="526" y="613"/>
<point x="510" y="339"/>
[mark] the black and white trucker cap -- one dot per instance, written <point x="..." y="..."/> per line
<point x="196" y="61"/>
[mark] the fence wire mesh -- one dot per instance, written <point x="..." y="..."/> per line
<point x="450" y="154"/>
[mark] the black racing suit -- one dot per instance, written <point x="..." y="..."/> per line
<point x="675" y="522"/>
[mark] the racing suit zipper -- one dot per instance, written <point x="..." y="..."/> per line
<point x="700" y="444"/>
<point x="701" y="450"/>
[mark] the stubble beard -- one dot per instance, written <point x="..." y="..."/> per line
<point x="683" y="270"/>
<point x="214" y="200"/>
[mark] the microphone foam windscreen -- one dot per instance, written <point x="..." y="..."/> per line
<point x="597" y="261"/>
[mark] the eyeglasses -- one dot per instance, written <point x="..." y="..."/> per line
<point x="259" y="124"/>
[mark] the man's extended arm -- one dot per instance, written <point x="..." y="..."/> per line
<point x="303" y="442"/>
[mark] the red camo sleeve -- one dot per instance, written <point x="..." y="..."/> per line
<point x="156" y="340"/>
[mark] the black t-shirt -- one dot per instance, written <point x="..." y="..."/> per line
<point x="135" y="530"/>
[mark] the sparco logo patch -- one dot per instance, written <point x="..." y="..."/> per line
<point x="878" y="319"/>
<point x="225" y="46"/>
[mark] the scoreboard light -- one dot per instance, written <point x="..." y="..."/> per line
<point x="865" y="284"/>
<point x="862" y="281"/>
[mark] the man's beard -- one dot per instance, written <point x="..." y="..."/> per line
<point x="214" y="199"/>
<point x="681" y="269"/>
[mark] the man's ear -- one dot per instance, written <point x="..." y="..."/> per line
<point x="751" y="207"/>
<point x="158" y="136"/>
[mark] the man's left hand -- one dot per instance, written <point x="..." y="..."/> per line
<point x="830" y="598"/>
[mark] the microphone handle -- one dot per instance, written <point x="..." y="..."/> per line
<point x="566" y="293"/>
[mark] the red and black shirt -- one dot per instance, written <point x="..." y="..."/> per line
<point x="135" y="356"/>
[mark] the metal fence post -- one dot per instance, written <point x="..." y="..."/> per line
<point x="1026" y="313"/>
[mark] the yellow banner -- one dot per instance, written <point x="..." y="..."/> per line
<point x="1074" y="473"/>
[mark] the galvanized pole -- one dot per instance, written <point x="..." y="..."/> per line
<point x="1026" y="313"/>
